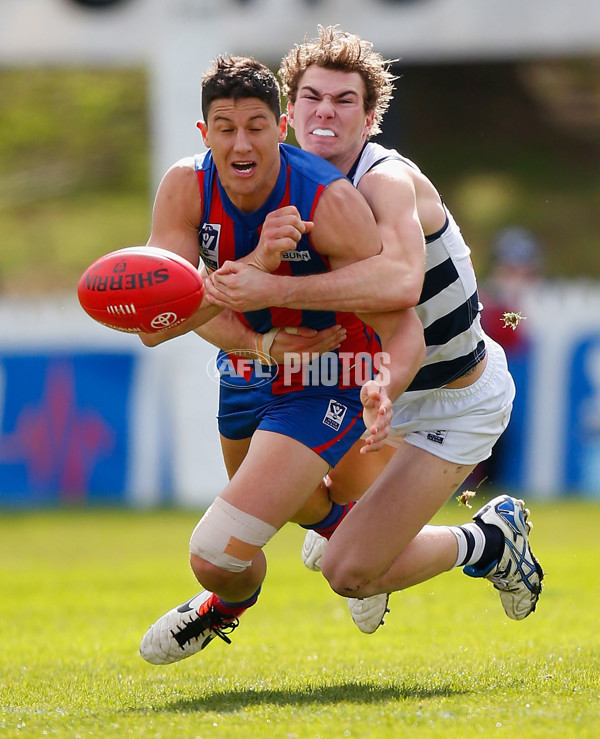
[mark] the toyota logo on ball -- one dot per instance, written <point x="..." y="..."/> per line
<point x="164" y="320"/>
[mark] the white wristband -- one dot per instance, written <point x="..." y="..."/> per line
<point x="263" y="344"/>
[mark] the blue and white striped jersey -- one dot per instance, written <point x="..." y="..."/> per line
<point x="449" y="304"/>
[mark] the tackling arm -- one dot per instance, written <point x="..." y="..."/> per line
<point x="400" y="331"/>
<point x="383" y="275"/>
<point x="401" y="334"/>
<point x="227" y="332"/>
<point x="389" y="280"/>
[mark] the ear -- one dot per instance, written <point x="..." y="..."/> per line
<point x="290" y="113"/>
<point x="283" y="128"/>
<point x="369" y="122"/>
<point x="204" y="130"/>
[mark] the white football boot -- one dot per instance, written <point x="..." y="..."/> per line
<point x="185" y="630"/>
<point x="517" y="575"/>
<point x="313" y="549"/>
<point x="367" y="613"/>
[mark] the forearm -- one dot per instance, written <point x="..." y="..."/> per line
<point x="403" y="346"/>
<point x="227" y="332"/>
<point x="373" y="284"/>
<point x="206" y="312"/>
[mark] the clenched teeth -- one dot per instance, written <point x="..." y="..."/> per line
<point x="323" y="132"/>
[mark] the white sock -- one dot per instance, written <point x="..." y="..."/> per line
<point x="471" y="542"/>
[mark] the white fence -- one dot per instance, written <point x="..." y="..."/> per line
<point x="89" y="415"/>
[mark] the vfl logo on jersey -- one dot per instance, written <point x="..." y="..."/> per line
<point x="210" y="234"/>
<point x="437" y="436"/>
<point x="296" y="256"/>
<point x="335" y="415"/>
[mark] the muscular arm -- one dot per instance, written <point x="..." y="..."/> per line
<point x="390" y="280"/>
<point x="400" y="331"/>
<point x="385" y="279"/>
<point x="175" y="219"/>
<point x="344" y="231"/>
<point x="401" y="334"/>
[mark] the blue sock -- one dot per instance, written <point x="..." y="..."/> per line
<point x="332" y="520"/>
<point x="234" y="609"/>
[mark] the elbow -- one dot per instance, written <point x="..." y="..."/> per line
<point x="411" y="294"/>
<point x="404" y="292"/>
<point x="151" y="340"/>
<point x="402" y="299"/>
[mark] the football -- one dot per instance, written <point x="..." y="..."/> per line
<point x="140" y="289"/>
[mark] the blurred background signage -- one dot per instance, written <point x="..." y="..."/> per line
<point x="89" y="415"/>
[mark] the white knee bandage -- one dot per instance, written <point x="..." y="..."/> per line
<point x="229" y="538"/>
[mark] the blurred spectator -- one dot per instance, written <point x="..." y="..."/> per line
<point x="517" y="266"/>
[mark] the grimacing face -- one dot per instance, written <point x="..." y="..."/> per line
<point x="329" y="116"/>
<point x="243" y="136"/>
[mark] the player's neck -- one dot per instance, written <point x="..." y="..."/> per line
<point x="346" y="161"/>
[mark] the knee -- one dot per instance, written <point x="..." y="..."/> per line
<point x="225" y="541"/>
<point x="344" y="575"/>
<point x="210" y="576"/>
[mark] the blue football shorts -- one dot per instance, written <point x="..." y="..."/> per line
<point x="328" y="420"/>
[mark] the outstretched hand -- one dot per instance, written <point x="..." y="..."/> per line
<point x="377" y="415"/>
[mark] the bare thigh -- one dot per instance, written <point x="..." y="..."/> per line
<point x="413" y="486"/>
<point x="354" y="474"/>
<point x="234" y="452"/>
<point x="272" y="477"/>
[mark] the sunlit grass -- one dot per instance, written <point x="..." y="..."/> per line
<point x="80" y="588"/>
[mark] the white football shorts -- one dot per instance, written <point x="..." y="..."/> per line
<point x="459" y="425"/>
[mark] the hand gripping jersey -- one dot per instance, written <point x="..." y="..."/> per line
<point x="226" y="233"/>
<point x="449" y="303"/>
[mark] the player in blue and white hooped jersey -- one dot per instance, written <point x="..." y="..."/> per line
<point x="458" y="403"/>
<point x="251" y="195"/>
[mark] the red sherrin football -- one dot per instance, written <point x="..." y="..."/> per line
<point x="140" y="288"/>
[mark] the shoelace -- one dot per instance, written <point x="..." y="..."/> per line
<point x="501" y="579"/>
<point x="211" y="620"/>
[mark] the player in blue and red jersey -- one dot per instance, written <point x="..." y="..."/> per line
<point x="229" y="234"/>
<point x="280" y="433"/>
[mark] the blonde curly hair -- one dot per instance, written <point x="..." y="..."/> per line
<point x="346" y="52"/>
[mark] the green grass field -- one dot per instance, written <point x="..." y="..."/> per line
<point x="79" y="588"/>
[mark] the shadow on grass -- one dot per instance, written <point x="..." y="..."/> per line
<point x="347" y="692"/>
